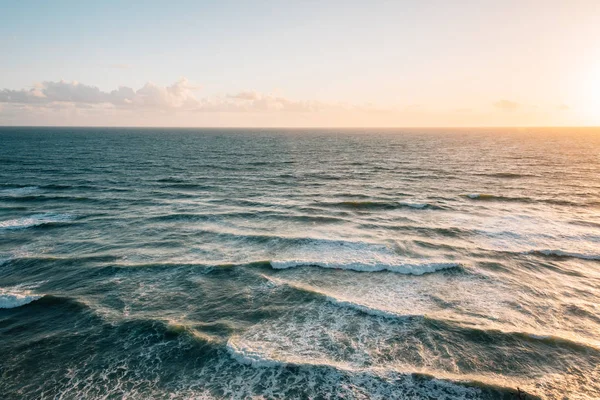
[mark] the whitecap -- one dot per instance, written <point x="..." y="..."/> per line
<point x="34" y="220"/>
<point x="418" y="206"/>
<point x="359" y="256"/>
<point x="247" y="356"/>
<point x="22" y="191"/>
<point x="15" y="299"/>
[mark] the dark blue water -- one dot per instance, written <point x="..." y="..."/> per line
<point x="309" y="264"/>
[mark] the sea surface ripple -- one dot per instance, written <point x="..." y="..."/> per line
<point x="299" y="264"/>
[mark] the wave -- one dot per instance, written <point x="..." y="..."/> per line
<point x="339" y="301"/>
<point x="170" y="180"/>
<point x="41" y="198"/>
<point x="585" y="223"/>
<point x="527" y="200"/>
<point x="377" y="205"/>
<point x="11" y="299"/>
<point x="507" y="175"/>
<point x="406" y="269"/>
<point x="544" y="338"/>
<point x="34" y="220"/>
<point x="188" y="186"/>
<point x="381" y="381"/>
<point x="270" y="214"/>
<point x="493" y="333"/>
<point x="21" y="191"/>
<point x="471" y="332"/>
<point x="485" y="196"/>
<point x="376" y="312"/>
<point x="564" y="254"/>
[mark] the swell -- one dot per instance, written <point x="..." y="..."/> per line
<point x="439" y="324"/>
<point x="478" y="384"/>
<point x="507" y="175"/>
<point x="428" y="231"/>
<point x="18" y="191"/>
<point x="42" y="198"/>
<point x="13" y="299"/>
<point x="378" y="205"/>
<point x="259" y="214"/>
<point x="209" y="333"/>
<point x="118" y="264"/>
<point x="188" y="186"/>
<point x="406" y="269"/>
<point x="49" y="300"/>
<point x="340" y="254"/>
<point x="35" y="220"/>
<point x="169" y="340"/>
<point x="98" y="258"/>
<point x="564" y="254"/>
<point x="339" y="301"/>
<point x="527" y="200"/>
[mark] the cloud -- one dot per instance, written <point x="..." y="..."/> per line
<point x="507" y="105"/>
<point x="564" y="107"/>
<point x="177" y="96"/>
<point x="182" y="104"/>
<point x="245" y="96"/>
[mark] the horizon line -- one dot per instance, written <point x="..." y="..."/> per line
<point x="311" y="127"/>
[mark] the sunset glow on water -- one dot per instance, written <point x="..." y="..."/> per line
<point x="300" y="200"/>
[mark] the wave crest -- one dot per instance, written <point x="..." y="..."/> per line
<point x="406" y="269"/>
<point x="16" y="299"/>
<point x="376" y="205"/>
<point x="565" y="254"/>
<point x="34" y="220"/>
<point x="21" y="191"/>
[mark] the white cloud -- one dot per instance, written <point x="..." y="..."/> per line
<point x="245" y="96"/>
<point x="177" y="96"/>
<point x="507" y="105"/>
<point x="564" y="107"/>
<point x="179" y="104"/>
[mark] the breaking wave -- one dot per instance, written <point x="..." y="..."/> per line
<point x="11" y="299"/>
<point x="34" y="220"/>
<point x="21" y="191"/>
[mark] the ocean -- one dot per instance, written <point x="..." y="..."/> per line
<point x="299" y="264"/>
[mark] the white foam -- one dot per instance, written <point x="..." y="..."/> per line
<point x="340" y="302"/>
<point x="360" y="256"/>
<point x="22" y="191"/>
<point x="480" y="196"/>
<point x="34" y="220"/>
<point x="414" y="205"/>
<point x="14" y="299"/>
<point x="248" y="356"/>
<point x="366" y="266"/>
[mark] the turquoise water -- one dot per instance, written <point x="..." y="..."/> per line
<point x="310" y="264"/>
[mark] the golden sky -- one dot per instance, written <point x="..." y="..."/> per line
<point x="301" y="63"/>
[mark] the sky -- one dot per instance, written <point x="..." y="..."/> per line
<point x="298" y="63"/>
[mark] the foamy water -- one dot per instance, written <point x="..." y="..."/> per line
<point x="242" y="264"/>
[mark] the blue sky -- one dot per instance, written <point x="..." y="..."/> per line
<point x="441" y="57"/>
